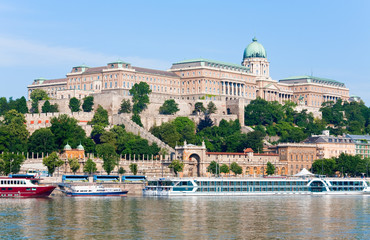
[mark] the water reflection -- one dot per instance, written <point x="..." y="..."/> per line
<point x="283" y="217"/>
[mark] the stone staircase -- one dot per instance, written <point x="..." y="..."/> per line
<point x="130" y="126"/>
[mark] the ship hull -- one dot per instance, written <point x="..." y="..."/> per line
<point x="26" y="192"/>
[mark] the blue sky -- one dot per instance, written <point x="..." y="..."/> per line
<point x="329" y="39"/>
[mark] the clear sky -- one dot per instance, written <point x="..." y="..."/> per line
<point x="329" y="39"/>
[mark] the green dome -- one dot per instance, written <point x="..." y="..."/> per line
<point x="80" y="147"/>
<point x="67" y="147"/>
<point x="255" y="49"/>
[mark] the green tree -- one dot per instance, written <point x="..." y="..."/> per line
<point x="121" y="170"/>
<point x="87" y="105"/>
<point x="4" y="107"/>
<point x="199" y="108"/>
<point x="235" y="168"/>
<point x="108" y="153"/>
<point x="169" y="107"/>
<point x="52" y="162"/>
<point x="167" y="133"/>
<point x="213" y="168"/>
<point x="204" y="123"/>
<point x="140" y="96"/>
<point x="125" y="106"/>
<point x="136" y="119"/>
<point x="324" y="167"/>
<point x="100" y="117"/>
<point x="270" y="170"/>
<point x="66" y="130"/>
<point x="254" y="140"/>
<point x="14" y="134"/>
<point x="74" y="165"/>
<point x="42" y="141"/>
<point x="10" y="162"/>
<point x="177" y="166"/>
<point x="211" y="108"/>
<point x="133" y="168"/>
<point x="21" y="105"/>
<point x="224" y="168"/>
<point x="74" y="104"/>
<point x="90" y="166"/>
<point x="36" y="96"/>
<point x="47" y="107"/>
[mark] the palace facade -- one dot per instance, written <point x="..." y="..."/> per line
<point x="198" y="79"/>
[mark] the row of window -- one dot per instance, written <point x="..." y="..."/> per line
<point x="14" y="182"/>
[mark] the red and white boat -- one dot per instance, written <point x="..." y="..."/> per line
<point x="23" y="186"/>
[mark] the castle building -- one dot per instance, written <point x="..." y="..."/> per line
<point x="362" y="144"/>
<point x="199" y="79"/>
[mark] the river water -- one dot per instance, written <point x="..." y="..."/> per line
<point x="257" y="217"/>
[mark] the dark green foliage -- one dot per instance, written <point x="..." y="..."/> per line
<point x="224" y="168"/>
<point x="4" y="107"/>
<point x="204" y="123"/>
<point x="36" y="96"/>
<point x="177" y="166"/>
<point x="125" y="106"/>
<point x="52" y="162"/>
<point x="344" y="165"/>
<point x="74" y="165"/>
<point x="66" y="130"/>
<point x="10" y="163"/>
<point x="47" y="107"/>
<point x="213" y="168"/>
<point x="199" y="108"/>
<point x="35" y="107"/>
<point x="42" y="141"/>
<point x="96" y="133"/>
<point x="270" y="170"/>
<point x="236" y="168"/>
<point x="90" y="166"/>
<point x="169" y="107"/>
<point x="13" y="132"/>
<point x="121" y="170"/>
<point x="74" y="104"/>
<point x="177" y="131"/>
<point x="254" y="140"/>
<point x="260" y="111"/>
<point x="108" y="153"/>
<point x="211" y="108"/>
<point x="133" y="168"/>
<point x="140" y="97"/>
<point x="100" y="117"/>
<point x="136" y="119"/>
<point x="88" y="104"/>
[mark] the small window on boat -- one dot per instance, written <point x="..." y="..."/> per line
<point x="9" y="189"/>
<point x="3" y="189"/>
<point x="28" y="189"/>
<point x="17" y="182"/>
<point x="33" y="189"/>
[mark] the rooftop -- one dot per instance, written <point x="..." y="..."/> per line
<point x="313" y="78"/>
<point x="212" y="62"/>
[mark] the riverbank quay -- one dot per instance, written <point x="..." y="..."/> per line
<point x="133" y="188"/>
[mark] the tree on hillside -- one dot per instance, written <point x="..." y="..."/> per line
<point x="224" y="168"/>
<point x="177" y="166"/>
<point x="90" y="166"/>
<point x="125" y="106"/>
<point x="167" y="133"/>
<point x="199" y="108"/>
<point x="169" y="107"/>
<point x="10" y="163"/>
<point x="36" y="96"/>
<point x="74" y="104"/>
<point x="211" y="108"/>
<point x="270" y="170"/>
<point x="110" y="158"/>
<point x="100" y="117"/>
<point x="324" y="167"/>
<point x="254" y="140"/>
<point x="4" y="107"/>
<point x="47" y="107"/>
<point x="74" y="165"/>
<point x="133" y="168"/>
<point x="52" y="162"/>
<point x="87" y="105"/>
<point x="42" y="141"/>
<point x="13" y="132"/>
<point x="204" y="123"/>
<point x="236" y="168"/>
<point x="140" y="96"/>
<point x="66" y="130"/>
<point x="213" y="168"/>
<point x="137" y="119"/>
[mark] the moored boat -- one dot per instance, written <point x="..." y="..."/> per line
<point x="23" y="186"/>
<point x="92" y="191"/>
<point x="253" y="186"/>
